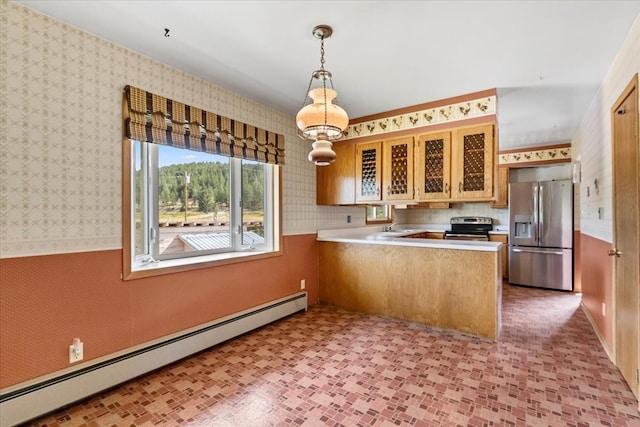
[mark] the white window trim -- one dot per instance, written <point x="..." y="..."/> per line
<point x="145" y="265"/>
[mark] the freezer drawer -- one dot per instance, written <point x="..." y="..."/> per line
<point x="541" y="267"/>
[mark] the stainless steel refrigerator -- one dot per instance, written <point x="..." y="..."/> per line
<point x="541" y="234"/>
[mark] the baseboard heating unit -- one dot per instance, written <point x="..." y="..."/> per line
<point x="30" y="400"/>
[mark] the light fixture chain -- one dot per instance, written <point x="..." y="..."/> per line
<point x="324" y="79"/>
<point x="304" y="101"/>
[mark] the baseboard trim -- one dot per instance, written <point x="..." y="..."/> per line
<point x="600" y="337"/>
<point x="31" y="399"/>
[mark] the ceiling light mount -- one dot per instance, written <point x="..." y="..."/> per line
<point x="322" y="32"/>
<point x="322" y="120"/>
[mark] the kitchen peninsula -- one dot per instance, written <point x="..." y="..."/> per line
<point x="448" y="284"/>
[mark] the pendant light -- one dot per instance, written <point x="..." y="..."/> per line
<point x="321" y="121"/>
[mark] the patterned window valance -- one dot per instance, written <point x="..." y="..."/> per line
<point x="153" y="118"/>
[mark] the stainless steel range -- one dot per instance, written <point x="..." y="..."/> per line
<point x="469" y="228"/>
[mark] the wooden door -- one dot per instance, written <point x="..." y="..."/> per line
<point x="368" y="172"/>
<point x="433" y="167"/>
<point x="473" y="163"/>
<point x="397" y="169"/>
<point x="626" y="160"/>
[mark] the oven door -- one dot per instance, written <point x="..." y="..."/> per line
<point x="466" y="236"/>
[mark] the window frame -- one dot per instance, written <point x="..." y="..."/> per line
<point x="385" y="220"/>
<point x="273" y="206"/>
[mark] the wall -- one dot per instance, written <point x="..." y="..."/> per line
<point x="543" y="173"/>
<point x="592" y="146"/>
<point x="60" y="206"/>
<point x="443" y="216"/>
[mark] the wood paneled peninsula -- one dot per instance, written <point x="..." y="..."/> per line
<point x="448" y="284"/>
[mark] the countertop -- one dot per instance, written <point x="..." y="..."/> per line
<point x="374" y="235"/>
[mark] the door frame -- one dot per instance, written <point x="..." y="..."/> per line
<point x="631" y="86"/>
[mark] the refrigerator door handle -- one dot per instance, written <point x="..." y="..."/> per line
<point x="536" y="217"/>
<point x="541" y="218"/>
<point x="537" y="251"/>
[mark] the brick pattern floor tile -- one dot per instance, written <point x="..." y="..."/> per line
<point x="330" y="367"/>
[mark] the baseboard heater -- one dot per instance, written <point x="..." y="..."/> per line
<point x="39" y="397"/>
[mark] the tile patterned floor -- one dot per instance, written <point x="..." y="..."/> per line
<point x="328" y="367"/>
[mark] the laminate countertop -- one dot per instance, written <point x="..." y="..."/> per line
<point x="399" y="236"/>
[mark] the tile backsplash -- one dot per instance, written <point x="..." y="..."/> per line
<point x="443" y="216"/>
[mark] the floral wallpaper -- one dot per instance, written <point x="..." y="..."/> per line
<point x="418" y="119"/>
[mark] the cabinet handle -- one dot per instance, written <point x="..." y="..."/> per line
<point x="460" y="187"/>
<point x="388" y="190"/>
<point x="446" y="187"/>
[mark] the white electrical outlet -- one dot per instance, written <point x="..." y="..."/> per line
<point x="76" y="351"/>
<point x="303" y="284"/>
<point x="604" y="312"/>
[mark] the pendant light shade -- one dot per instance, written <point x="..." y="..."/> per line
<point x="322" y="121"/>
<point x="322" y="154"/>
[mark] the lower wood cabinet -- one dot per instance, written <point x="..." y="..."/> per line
<point x="434" y="235"/>
<point x="427" y="235"/>
<point x="504" y="239"/>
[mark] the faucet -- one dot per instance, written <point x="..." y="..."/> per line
<point x="388" y="227"/>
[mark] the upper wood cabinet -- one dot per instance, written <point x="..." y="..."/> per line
<point x="397" y="169"/>
<point x="502" y="192"/>
<point x="433" y="167"/>
<point x="368" y="172"/>
<point x="473" y="163"/>
<point x="456" y="165"/>
<point x="335" y="183"/>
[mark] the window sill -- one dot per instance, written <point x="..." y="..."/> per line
<point x="158" y="268"/>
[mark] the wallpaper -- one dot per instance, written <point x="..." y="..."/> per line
<point x="592" y="142"/>
<point x="60" y="152"/>
<point x="423" y="118"/>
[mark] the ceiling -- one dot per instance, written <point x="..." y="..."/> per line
<point x="545" y="58"/>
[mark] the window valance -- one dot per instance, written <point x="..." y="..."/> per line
<point x="153" y="118"/>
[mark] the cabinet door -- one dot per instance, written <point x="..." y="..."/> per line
<point x="473" y="165"/>
<point x="335" y="183"/>
<point x="397" y="169"/>
<point x="433" y="167"/>
<point x="502" y="194"/>
<point x="368" y="172"/>
<point x="434" y="235"/>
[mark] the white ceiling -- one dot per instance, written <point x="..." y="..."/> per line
<point x="546" y="58"/>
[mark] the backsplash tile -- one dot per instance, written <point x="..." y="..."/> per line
<point x="443" y="216"/>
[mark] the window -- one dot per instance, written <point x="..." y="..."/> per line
<point x="192" y="207"/>
<point x="200" y="189"/>
<point x="378" y="214"/>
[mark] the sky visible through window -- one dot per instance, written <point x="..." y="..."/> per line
<point x="178" y="156"/>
